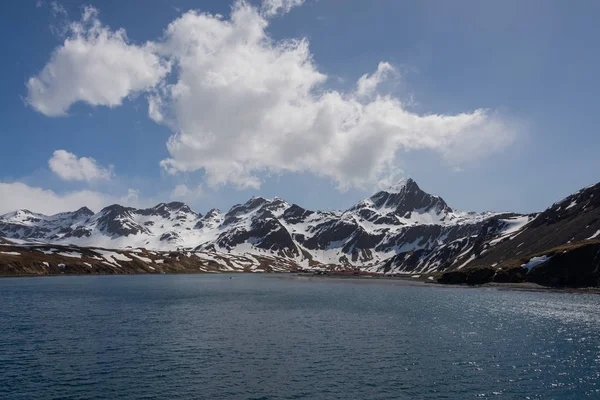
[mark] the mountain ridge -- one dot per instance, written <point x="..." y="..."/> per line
<point x="400" y="230"/>
<point x="370" y="231"/>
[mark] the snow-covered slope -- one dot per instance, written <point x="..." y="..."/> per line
<point x="568" y="222"/>
<point x="399" y="229"/>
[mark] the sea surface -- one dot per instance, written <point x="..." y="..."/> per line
<point x="249" y="336"/>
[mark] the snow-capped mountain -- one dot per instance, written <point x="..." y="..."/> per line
<point x="400" y="230"/>
<point x="558" y="247"/>
<point x="390" y="230"/>
<point x="568" y="223"/>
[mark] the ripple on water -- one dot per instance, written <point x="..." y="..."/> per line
<point x="206" y="336"/>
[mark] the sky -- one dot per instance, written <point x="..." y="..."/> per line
<point x="491" y="105"/>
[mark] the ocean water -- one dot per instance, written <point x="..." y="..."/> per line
<point x="264" y="337"/>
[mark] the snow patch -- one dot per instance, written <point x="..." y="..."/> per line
<point x="144" y="259"/>
<point x="51" y="251"/>
<point x="112" y="256"/>
<point x="468" y="261"/>
<point x="595" y="235"/>
<point x="72" y="254"/>
<point x="535" y="261"/>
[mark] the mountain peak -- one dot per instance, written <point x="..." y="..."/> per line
<point x="84" y="211"/>
<point x="406" y="196"/>
<point x="212" y="213"/>
<point x="116" y="208"/>
<point x="402" y="185"/>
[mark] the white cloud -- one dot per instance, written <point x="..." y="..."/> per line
<point x="244" y="104"/>
<point x="241" y="103"/>
<point x="94" y="65"/>
<point x="367" y="84"/>
<point x="72" y="168"/>
<point x="274" y="7"/>
<point x="18" y="195"/>
<point x="184" y="193"/>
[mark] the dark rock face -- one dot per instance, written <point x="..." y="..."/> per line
<point x="265" y="233"/>
<point x="453" y="278"/>
<point x="474" y="276"/>
<point x="329" y="232"/>
<point x="199" y="225"/>
<point x="239" y="209"/>
<point x="579" y="267"/>
<point x="361" y="239"/>
<point x="81" y="231"/>
<point x="84" y="211"/>
<point x="480" y="276"/>
<point x="117" y="220"/>
<point x="585" y="200"/>
<point x="17" y="231"/>
<point x="407" y="198"/>
<point x="296" y="214"/>
<point x="212" y="213"/>
<point x="169" y="236"/>
<point x="510" y="275"/>
<point x="165" y="210"/>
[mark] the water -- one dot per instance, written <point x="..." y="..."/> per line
<point x="261" y="337"/>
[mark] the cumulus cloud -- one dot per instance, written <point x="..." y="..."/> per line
<point x="244" y="103"/>
<point x="72" y="168"/>
<point x="240" y="103"/>
<point x="94" y="65"/>
<point x="274" y="7"/>
<point x="367" y="84"/>
<point x="18" y="195"/>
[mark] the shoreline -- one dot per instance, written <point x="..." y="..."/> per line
<point x="516" y="286"/>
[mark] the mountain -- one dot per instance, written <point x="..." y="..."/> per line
<point x="400" y="219"/>
<point x="559" y="247"/>
<point x="400" y="230"/>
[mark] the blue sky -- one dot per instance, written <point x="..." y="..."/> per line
<point x="530" y="66"/>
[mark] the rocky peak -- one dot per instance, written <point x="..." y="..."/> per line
<point x="296" y="214"/>
<point x="212" y="213"/>
<point x="401" y="185"/>
<point x="84" y="211"/>
<point x="116" y="209"/>
<point x="405" y="197"/>
<point x="21" y="216"/>
<point x="256" y="203"/>
<point x="165" y="209"/>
